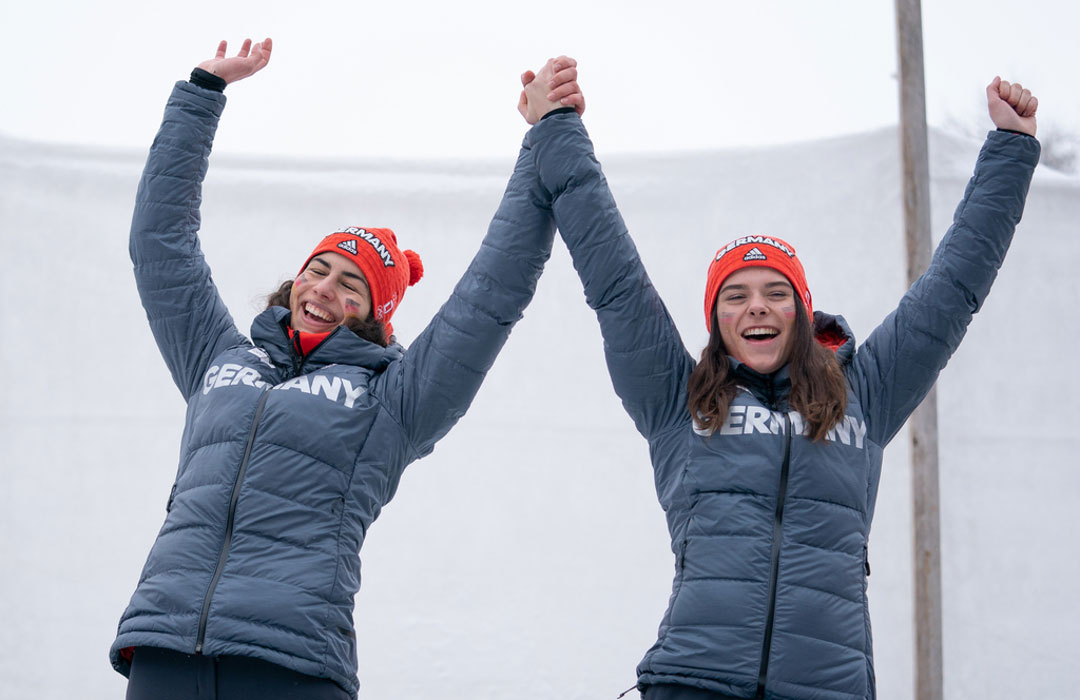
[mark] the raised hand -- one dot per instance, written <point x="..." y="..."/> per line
<point x="554" y="87"/>
<point x="250" y="60"/>
<point x="563" y="84"/>
<point x="1011" y="106"/>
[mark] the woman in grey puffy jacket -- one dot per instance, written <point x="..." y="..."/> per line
<point x="295" y="439"/>
<point x="767" y="451"/>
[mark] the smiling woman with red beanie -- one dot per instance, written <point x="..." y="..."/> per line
<point x="767" y="451"/>
<point x="296" y="438"/>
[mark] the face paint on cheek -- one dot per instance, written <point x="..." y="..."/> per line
<point x="352" y="308"/>
<point x="727" y="317"/>
<point x="789" y="312"/>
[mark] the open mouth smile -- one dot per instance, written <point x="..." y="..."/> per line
<point x="318" y="315"/>
<point x="760" y="334"/>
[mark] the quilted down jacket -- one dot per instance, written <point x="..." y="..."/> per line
<point x="285" y="461"/>
<point x="769" y="529"/>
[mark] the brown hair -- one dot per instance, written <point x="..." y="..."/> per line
<point x="368" y="328"/>
<point x="818" y="389"/>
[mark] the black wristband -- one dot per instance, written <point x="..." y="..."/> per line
<point x="559" y="110"/>
<point x="1013" y="131"/>
<point x="206" y="79"/>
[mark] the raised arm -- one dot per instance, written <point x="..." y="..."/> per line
<point x="648" y="363"/>
<point x="187" y="316"/>
<point x="899" y="362"/>
<point x="444" y="367"/>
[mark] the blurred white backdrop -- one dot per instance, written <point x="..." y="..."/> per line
<point x="527" y="557"/>
<point x="433" y="79"/>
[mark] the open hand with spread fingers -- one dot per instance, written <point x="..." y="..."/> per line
<point x="250" y="60"/>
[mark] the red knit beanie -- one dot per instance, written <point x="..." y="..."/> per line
<point x="388" y="269"/>
<point x="755" y="251"/>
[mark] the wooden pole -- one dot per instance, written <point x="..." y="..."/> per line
<point x="923" y="423"/>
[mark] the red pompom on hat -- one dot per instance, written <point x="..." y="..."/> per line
<point x="755" y="251"/>
<point x="389" y="271"/>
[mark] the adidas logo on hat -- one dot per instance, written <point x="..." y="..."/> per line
<point x="754" y="254"/>
<point x="348" y="246"/>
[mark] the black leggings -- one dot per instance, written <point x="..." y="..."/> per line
<point x="161" y="674"/>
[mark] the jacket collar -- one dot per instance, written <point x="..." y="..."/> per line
<point x="770" y="389"/>
<point x="270" y="331"/>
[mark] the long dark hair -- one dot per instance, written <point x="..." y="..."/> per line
<point x="368" y="328"/>
<point x="818" y="389"/>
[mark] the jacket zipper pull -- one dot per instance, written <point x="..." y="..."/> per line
<point x="297" y="355"/>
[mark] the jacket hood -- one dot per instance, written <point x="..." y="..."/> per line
<point x="834" y="333"/>
<point x="269" y="331"/>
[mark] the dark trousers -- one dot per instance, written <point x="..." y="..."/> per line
<point x="161" y="674"/>
<point x="681" y="692"/>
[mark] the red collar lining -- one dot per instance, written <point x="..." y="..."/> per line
<point x="306" y="342"/>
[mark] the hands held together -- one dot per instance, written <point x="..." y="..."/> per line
<point x="554" y="87"/>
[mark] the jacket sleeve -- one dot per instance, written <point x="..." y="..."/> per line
<point x="187" y="316"/>
<point x="443" y="368"/>
<point x="897" y="365"/>
<point x="648" y="363"/>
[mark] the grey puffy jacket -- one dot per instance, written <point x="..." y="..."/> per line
<point x="284" y="464"/>
<point x="768" y="528"/>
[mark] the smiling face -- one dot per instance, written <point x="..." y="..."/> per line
<point x="330" y="289"/>
<point x="755" y="311"/>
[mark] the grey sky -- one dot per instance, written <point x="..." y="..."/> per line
<point x="433" y="79"/>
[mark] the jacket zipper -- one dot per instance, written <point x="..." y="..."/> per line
<point x="229" y="522"/>
<point x="296" y="354"/>
<point x="778" y="522"/>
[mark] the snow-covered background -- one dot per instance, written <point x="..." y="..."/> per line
<point x="527" y="557"/>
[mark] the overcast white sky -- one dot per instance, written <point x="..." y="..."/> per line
<point x="427" y="79"/>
